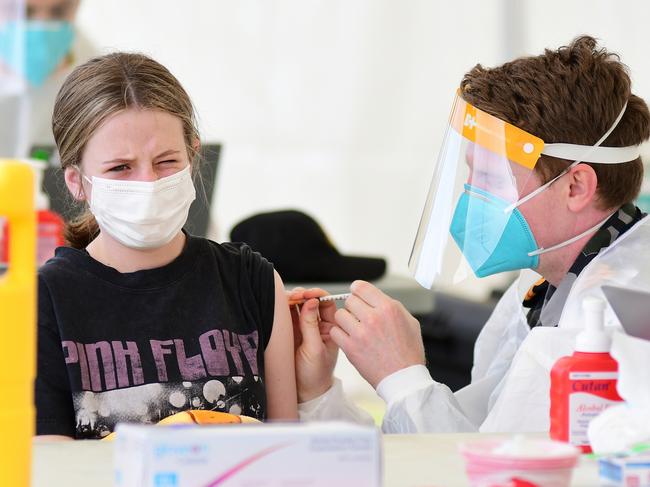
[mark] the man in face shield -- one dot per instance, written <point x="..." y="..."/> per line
<point x="538" y="172"/>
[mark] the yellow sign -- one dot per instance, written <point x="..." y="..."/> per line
<point x="18" y="322"/>
<point x="495" y="135"/>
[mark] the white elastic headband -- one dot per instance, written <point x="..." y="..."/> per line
<point x="583" y="153"/>
<point x="588" y="153"/>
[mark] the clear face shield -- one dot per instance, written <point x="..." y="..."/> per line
<point x="14" y="104"/>
<point x="32" y="49"/>
<point x="30" y="53"/>
<point x="472" y="224"/>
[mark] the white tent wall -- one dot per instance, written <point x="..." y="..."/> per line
<point x="621" y="26"/>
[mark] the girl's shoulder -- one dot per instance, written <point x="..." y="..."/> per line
<point x="66" y="260"/>
<point x="235" y="252"/>
<point x="72" y="267"/>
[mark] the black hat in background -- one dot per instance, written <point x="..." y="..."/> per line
<point x="300" y="250"/>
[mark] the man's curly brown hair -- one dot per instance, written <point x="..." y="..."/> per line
<point x="570" y="95"/>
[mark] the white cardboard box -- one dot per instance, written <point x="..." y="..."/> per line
<point x="264" y="455"/>
<point x="625" y="470"/>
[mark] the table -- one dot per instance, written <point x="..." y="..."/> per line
<point x="430" y="460"/>
<point x="415" y="298"/>
<point x="434" y="461"/>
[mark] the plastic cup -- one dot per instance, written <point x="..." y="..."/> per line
<point x="519" y="462"/>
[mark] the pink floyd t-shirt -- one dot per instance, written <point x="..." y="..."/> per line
<point x="138" y="347"/>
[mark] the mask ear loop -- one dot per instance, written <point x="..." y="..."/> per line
<point x="82" y="193"/>
<point x="570" y="241"/>
<point x="573" y="164"/>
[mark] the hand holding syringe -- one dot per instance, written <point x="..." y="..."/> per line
<point x="312" y="314"/>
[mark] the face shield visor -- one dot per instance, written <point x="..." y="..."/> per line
<point x="472" y="224"/>
<point x="14" y="102"/>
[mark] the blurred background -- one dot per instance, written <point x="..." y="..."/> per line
<point x="337" y="108"/>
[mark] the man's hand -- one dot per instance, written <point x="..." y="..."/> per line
<point x="315" y="351"/>
<point x="377" y="334"/>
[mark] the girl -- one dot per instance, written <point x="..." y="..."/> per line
<point x="137" y="319"/>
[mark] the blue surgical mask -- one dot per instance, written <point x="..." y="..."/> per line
<point x="492" y="238"/>
<point x="494" y="235"/>
<point x="35" y="48"/>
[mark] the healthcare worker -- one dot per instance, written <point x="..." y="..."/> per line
<point x="538" y="171"/>
<point x="39" y="46"/>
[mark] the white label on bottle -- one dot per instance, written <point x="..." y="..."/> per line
<point x="583" y="407"/>
<point x="593" y="375"/>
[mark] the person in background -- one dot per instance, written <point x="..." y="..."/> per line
<point x="543" y="153"/>
<point x="138" y="320"/>
<point x="51" y="45"/>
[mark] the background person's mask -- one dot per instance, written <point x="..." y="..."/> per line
<point x="34" y="49"/>
<point x="142" y="214"/>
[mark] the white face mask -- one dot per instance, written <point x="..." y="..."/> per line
<point x="142" y="214"/>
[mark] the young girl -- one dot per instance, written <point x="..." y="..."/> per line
<point x="137" y="319"/>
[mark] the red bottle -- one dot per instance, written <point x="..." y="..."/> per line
<point x="50" y="225"/>
<point x="50" y="235"/>
<point x="584" y="384"/>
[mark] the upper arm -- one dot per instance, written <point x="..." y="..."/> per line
<point x="279" y="366"/>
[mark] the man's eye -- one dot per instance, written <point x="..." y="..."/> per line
<point x="59" y="12"/>
<point x="495" y="179"/>
<point x="168" y="161"/>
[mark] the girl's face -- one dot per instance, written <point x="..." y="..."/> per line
<point x="134" y="145"/>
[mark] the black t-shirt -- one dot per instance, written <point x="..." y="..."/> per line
<point x="140" y="346"/>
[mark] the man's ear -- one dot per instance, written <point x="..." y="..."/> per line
<point x="583" y="183"/>
<point x="73" y="181"/>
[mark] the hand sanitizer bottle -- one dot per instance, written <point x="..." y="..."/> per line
<point x="584" y="384"/>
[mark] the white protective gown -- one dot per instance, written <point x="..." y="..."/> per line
<point x="510" y="384"/>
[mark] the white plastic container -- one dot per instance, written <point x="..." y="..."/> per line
<point x="519" y="461"/>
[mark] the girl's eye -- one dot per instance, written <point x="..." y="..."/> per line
<point x="120" y="168"/>
<point x="167" y="162"/>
